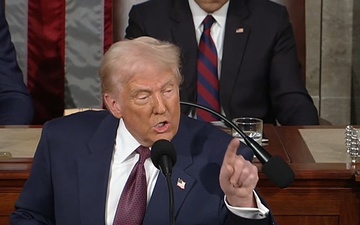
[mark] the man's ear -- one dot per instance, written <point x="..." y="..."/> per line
<point x="112" y="105"/>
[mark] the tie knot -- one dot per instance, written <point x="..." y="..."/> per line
<point x="208" y="22"/>
<point x="144" y="153"/>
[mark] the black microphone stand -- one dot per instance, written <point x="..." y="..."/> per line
<point x="165" y="166"/>
<point x="171" y="199"/>
<point x="163" y="156"/>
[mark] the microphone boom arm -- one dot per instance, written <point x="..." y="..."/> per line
<point x="262" y="155"/>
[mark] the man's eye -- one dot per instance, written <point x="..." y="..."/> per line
<point x="142" y="97"/>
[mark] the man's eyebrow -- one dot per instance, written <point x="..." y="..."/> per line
<point x="171" y="81"/>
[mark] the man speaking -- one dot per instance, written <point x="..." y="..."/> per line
<point x="93" y="167"/>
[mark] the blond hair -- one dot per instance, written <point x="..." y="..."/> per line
<point x="126" y="58"/>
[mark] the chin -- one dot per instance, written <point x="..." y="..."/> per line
<point x="167" y="136"/>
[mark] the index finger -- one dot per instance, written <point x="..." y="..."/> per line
<point x="231" y="151"/>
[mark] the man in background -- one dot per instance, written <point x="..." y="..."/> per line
<point x="83" y="164"/>
<point x="258" y="71"/>
<point x="16" y="106"/>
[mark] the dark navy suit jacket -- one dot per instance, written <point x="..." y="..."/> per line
<point x="69" y="179"/>
<point x="260" y="72"/>
<point x="16" y="105"/>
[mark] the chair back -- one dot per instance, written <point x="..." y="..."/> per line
<point x="296" y="9"/>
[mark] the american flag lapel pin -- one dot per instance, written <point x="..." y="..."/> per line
<point x="180" y="183"/>
<point x="239" y="30"/>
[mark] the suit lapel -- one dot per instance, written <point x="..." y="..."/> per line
<point x="183" y="30"/>
<point x="236" y="36"/>
<point x="183" y="34"/>
<point x="158" y="208"/>
<point x="93" y="171"/>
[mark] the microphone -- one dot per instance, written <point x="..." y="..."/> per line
<point x="163" y="156"/>
<point x="275" y="168"/>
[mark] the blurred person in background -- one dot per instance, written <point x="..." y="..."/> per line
<point x="16" y="106"/>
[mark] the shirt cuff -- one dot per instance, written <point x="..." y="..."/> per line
<point x="249" y="213"/>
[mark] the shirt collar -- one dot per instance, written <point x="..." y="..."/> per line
<point x="125" y="143"/>
<point x="199" y="14"/>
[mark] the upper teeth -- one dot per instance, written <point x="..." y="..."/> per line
<point x="161" y="124"/>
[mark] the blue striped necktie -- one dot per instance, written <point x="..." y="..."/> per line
<point x="208" y="81"/>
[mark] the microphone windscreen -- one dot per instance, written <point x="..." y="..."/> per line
<point x="279" y="172"/>
<point x="162" y="148"/>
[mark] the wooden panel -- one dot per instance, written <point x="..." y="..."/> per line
<point x="7" y="202"/>
<point x="350" y="207"/>
<point x="4" y="220"/>
<point x="274" y="147"/>
<point x="294" y="145"/>
<point x="301" y="202"/>
<point x="13" y="175"/>
<point x="301" y="220"/>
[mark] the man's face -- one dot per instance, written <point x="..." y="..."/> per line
<point x="211" y="6"/>
<point x="149" y="104"/>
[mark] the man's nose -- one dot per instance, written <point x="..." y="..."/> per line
<point x="159" y="104"/>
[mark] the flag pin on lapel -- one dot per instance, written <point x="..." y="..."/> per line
<point x="239" y="30"/>
<point x="180" y="183"/>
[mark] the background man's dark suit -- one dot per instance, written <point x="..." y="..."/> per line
<point x="15" y="102"/>
<point x="260" y="73"/>
<point x="71" y="170"/>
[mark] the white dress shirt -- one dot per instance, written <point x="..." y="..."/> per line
<point x="125" y="158"/>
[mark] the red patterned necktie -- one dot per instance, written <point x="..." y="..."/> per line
<point x="133" y="201"/>
<point x="208" y="81"/>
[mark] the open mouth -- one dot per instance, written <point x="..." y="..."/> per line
<point x="162" y="126"/>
